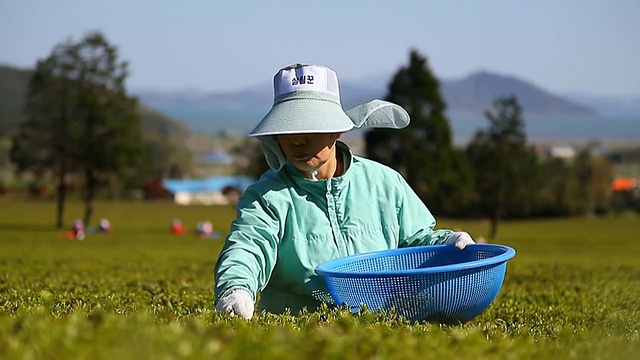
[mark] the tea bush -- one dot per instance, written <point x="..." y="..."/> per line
<point x="571" y="292"/>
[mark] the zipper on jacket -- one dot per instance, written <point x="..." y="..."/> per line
<point x="333" y="219"/>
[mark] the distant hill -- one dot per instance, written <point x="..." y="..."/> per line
<point x="471" y="95"/>
<point x="477" y="92"/>
<point x="14" y="83"/>
<point x="13" y="89"/>
<point x="547" y="115"/>
<point x="255" y="99"/>
<point x="240" y="110"/>
<point x="627" y="106"/>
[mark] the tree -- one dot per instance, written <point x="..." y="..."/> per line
<point x="579" y="186"/>
<point x="43" y="144"/>
<point x="80" y="120"/>
<point x="594" y="175"/>
<point x="166" y="139"/>
<point x="504" y="166"/>
<point x="557" y="195"/>
<point x="250" y="160"/>
<point x="423" y="152"/>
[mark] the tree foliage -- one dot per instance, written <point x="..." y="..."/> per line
<point x="250" y="160"/>
<point x="594" y="175"/>
<point x="13" y="89"/>
<point x="80" y="120"/>
<point x="575" y="187"/>
<point x="165" y="140"/>
<point x="505" y="167"/>
<point x="423" y="152"/>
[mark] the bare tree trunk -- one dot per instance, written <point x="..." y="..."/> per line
<point x="496" y="215"/>
<point x="90" y="193"/>
<point x="61" y="195"/>
<point x="495" y="220"/>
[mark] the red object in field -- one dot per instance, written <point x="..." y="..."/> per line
<point x="72" y="235"/>
<point x="177" y="228"/>
<point x="624" y="184"/>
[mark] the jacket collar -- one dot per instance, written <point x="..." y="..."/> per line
<point x="298" y="177"/>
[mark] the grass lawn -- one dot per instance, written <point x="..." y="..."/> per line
<point x="571" y="292"/>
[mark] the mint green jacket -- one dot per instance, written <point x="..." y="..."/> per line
<point x="286" y="225"/>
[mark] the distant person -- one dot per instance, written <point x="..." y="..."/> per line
<point x="318" y="202"/>
<point x="104" y="226"/>
<point x="205" y="229"/>
<point x="77" y="230"/>
<point x="176" y="227"/>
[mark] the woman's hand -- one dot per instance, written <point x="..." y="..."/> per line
<point x="237" y="302"/>
<point x="460" y="239"/>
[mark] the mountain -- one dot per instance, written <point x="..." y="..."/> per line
<point x="240" y="110"/>
<point x="471" y="95"/>
<point x="547" y="115"/>
<point x="477" y="92"/>
<point x="255" y="99"/>
<point x="625" y="106"/>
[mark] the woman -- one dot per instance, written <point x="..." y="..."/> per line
<point x="318" y="202"/>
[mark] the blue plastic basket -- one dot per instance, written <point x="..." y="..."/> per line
<point x="424" y="283"/>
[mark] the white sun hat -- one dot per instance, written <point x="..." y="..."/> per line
<point x="307" y="100"/>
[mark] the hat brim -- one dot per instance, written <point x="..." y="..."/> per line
<point x="303" y="116"/>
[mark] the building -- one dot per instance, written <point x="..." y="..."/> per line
<point x="562" y="152"/>
<point x="215" y="190"/>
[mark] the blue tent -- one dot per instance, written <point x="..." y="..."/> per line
<point x="210" y="184"/>
<point x="214" y="157"/>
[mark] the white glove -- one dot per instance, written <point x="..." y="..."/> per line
<point x="460" y="239"/>
<point x="237" y="302"/>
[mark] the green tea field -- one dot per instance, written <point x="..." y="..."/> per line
<point x="571" y="292"/>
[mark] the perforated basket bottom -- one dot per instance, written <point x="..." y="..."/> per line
<point x="445" y="297"/>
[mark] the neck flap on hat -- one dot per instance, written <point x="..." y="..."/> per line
<point x="373" y="114"/>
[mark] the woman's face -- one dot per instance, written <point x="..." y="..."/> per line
<point x="308" y="152"/>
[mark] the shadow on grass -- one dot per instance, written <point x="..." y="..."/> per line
<point x="27" y="227"/>
<point x="19" y="227"/>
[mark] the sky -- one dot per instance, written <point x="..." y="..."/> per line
<point x="564" y="46"/>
